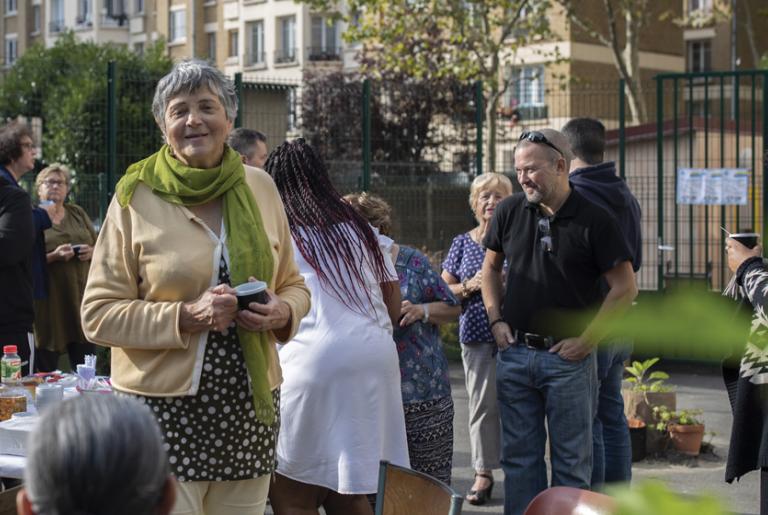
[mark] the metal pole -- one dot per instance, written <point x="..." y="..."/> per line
<point x="111" y="127"/>
<point x="622" y="130"/>
<point x="366" y="183"/>
<point x="765" y="156"/>
<point x="479" y="115"/>
<point x="239" y="90"/>
<point x="660" y="179"/>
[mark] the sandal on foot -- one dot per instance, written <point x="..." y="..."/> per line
<point x="482" y="495"/>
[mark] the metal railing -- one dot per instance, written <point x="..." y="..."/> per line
<point x="323" y="53"/>
<point x="286" y="56"/>
<point x="256" y="59"/>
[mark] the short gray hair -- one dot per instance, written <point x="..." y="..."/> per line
<point x="96" y="454"/>
<point x="189" y="76"/>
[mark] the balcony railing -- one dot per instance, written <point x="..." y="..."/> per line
<point x="56" y="26"/>
<point x="83" y="22"/>
<point x="114" y="20"/>
<point x="323" y="53"/>
<point x="285" y="56"/>
<point x="255" y="59"/>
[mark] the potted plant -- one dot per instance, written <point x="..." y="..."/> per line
<point x="647" y="389"/>
<point x="686" y="430"/>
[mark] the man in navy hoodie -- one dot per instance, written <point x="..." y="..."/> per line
<point x="597" y="181"/>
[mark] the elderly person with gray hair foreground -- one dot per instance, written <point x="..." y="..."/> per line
<point x="186" y="225"/>
<point x="99" y="455"/>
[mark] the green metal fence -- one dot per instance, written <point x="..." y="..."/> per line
<point x="707" y="120"/>
<point x="420" y="150"/>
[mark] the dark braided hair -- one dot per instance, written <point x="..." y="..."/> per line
<point x="324" y="227"/>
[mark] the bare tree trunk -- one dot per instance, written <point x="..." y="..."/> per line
<point x="490" y="144"/>
<point x="631" y="57"/>
<point x="750" y="32"/>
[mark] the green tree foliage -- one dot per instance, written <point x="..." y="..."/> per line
<point x="435" y="40"/>
<point x="66" y="87"/>
<point x="408" y="118"/>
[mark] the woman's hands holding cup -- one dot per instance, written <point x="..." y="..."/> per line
<point x="214" y="310"/>
<point x="738" y="253"/>
<point x="272" y="316"/>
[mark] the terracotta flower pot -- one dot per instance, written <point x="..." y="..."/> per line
<point x="687" y="439"/>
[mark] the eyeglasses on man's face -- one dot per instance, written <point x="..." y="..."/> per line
<point x="28" y="145"/>
<point x="539" y="138"/>
<point x="545" y="235"/>
<point x="54" y="182"/>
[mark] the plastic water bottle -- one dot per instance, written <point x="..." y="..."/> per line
<point x="10" y="365"/>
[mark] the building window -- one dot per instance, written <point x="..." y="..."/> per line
<point x="325" y="40"/>
<point x="10" y="6"/>
<point x="233" y="47"/>
<point x="138" y="6"/>
<point x="255" y="31"/>
<point x="57" y="16"/>
<point x="211" y="46"/>
<point x="11" y="51"/>
<point x="286" y="48"/>
<point x="524" y="97"/>
<point x="178" y="26"/>
<point x="36" y="19"/>
<point x="699" y="56"/>
<point x="699" y="5"/>
<point x="84" y="15"/>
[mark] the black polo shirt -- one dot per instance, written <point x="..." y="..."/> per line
<point x="545" y="281"/>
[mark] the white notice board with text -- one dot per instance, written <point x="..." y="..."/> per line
<point x="713" y="186"/>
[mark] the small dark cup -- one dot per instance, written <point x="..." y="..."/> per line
<point x="748" y="239"/>
<point x="251" y="292"/>
<point x="76" y="249"/>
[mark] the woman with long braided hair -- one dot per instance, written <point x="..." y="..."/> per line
<point x="340" y="400"/>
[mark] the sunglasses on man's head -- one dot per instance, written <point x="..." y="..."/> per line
<point x="539" y="137"/>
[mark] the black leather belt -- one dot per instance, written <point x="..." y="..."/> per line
<point x="535" y="341"/>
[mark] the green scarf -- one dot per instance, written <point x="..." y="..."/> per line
<point x="247" y="242"/>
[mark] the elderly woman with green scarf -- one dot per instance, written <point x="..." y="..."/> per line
<point x="186" y="225"/>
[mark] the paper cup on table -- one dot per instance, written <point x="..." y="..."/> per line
<point x="48" y="395"/>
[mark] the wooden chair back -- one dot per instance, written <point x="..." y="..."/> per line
<point x="404" y="491"/>
<point x="565" y="500"/>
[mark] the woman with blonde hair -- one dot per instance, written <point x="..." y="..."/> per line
<point x="461" y="270"/>
<point x="68" y="248"/>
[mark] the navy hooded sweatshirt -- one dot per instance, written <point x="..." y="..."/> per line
<point x="601" y="185"/>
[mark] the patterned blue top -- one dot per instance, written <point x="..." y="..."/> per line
<point x="423" y="365"/>
<point x="464" y="260"/>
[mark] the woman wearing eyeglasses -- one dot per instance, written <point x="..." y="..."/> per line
<point x="461" y="270"/>
<point x="68" y="246"/>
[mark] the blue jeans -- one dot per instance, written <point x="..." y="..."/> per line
<point x="610" y="434"/>
<point x="534" y="384"/>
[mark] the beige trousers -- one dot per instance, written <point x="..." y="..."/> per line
<point x="246" y="497"/>
<point x="484" y="423"/>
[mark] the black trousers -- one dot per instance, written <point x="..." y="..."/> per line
<point x="764" y="491"/>
<point x="22" y="344"/>
<point x="48" y="361"/>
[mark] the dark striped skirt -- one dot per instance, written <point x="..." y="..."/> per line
<point x="429" y="428"/>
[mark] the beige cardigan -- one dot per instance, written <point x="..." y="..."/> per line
<point x="152" y="256"/>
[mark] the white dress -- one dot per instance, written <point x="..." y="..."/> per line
<point x="340" y="400"/>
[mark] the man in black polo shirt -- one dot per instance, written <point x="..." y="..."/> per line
<point x="558" y="246"/>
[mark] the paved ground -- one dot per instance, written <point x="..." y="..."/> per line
<point x="695" y="390"/>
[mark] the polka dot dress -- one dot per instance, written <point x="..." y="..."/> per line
<point x="214" y="435"/>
